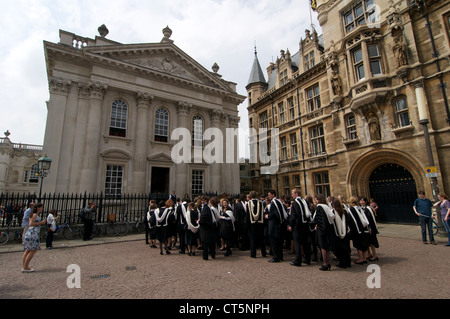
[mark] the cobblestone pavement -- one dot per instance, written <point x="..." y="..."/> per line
<point x="131" y="269"/>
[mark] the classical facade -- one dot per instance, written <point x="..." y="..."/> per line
<point x="113" y="108"/>
<point x="18" y="166"/>
<point x="356" y="107"/>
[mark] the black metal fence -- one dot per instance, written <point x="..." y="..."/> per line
<point x="125" y="207"/>
<point x="68" y="206"/>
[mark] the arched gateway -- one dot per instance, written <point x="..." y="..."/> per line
<point x="392" y="178"/>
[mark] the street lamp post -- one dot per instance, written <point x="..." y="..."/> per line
<point x="44" y="164"/>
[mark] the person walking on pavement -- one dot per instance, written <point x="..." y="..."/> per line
<point x="422" y="208"/>
<point x="444" y="203"/>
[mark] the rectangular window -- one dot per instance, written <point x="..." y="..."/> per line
<point x="310" y="60"/>
<point x="361" y="13"/>
<point x="375" y="59"/>
<point x="283" y="78"/>
<point x="34" y="174"/>
<point x="281" y="112"/>
<point x="322" y="184"/>
<point x="290" y="103"/>
<point x="402" y="112"/>
<point x="197" y="182"/>
<point x="263" y="120"/>
<point x="317" y="141"/>
<point x="114" y="180"/>
<point x="359" y="64"/>
<point x="293" y="138"/>
<point x="283" y="148"/>
<point x="313" y="95"/>
<point x="351" y="128"/>
<point x="297" y="180"/>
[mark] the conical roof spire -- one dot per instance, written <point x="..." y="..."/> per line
<point x="256" y="75"/>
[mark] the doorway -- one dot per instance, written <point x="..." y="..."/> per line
<point x="394" y="190"/>
<point x="160" y="180"/>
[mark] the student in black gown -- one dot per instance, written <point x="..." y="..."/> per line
<point x="226" y="225"/>
<point x="299" y="226"/>
<point x="358" y="230"/>
<point x="150" y="224"/>
<point x="373" y="230"/>
<point x="208" y="227"/>
<point x="324" y="219"/>
<point x="255" y="222"/>
<point x="277" y="220"/>
<point x="181" y="224"/>
<point x="342" y="248"/>
<point x="192" y="217"/>
<point x="162" y="231"/>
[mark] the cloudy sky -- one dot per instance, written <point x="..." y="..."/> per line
<point x="221" y="31"/>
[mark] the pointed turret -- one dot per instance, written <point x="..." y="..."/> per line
<point x="256" y="75"/>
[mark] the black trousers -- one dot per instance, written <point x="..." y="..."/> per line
<point x="256" y="235"/>
<point x="49" y="240"/>
<point x="276" y="245"/>
<point x="182" y="236"/>
<point x="300" y="237"/>
<point x="88" y="225"/>
<point x="209" y="247"/>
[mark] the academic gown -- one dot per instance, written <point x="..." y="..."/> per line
<point x="359" y="239"/>
<point x="325" y="230"/>
<point x="372" y="237"/>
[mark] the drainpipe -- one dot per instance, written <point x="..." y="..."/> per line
<point x="301" y="141"/>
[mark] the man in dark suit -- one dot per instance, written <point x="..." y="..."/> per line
<point x="277" y="218"/>
<point x="299" y="225"/>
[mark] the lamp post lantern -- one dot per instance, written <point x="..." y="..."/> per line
<point x="44" y="164"/>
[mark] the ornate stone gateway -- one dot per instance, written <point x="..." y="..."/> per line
<point x="394" y="190"/>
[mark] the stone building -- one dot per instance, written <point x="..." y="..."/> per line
<point x="113" y="108"/>
<point x="18" y="166"/>
<point x="355" y="107"/>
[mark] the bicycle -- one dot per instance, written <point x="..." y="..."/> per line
<point x="137" y="225"/>
<point x="112" y="228"/>
<point x="4" y="235"/>
<point x="68" y="231"/>
<point x="435" y="225"/>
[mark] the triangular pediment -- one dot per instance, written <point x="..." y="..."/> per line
<point x="165" y="59"/>
<point x="160" y="157"/>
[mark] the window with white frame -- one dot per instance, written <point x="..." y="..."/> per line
<point x="375" y="59"/>
<point x="162" y="125"/>
<point x="197" y="136"/>
<point x="34" y="174"/>
<point x="362" y="12"/>
<point x="114" y="180"/>
<point x="118" y="121"/>
<point x="351" y="127"/>
<point x="197" y="182"/>
<point x="317" y="141"/>
<point x="313" y="95"/>
<point x="358" y="63"/>
<point x="401" y="112"/>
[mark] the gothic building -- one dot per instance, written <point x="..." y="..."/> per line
<point x="363" y="109"/>
<point x="113" y="108"/>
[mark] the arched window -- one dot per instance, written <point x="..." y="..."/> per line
<point x="118" y="125"/>
<point x="197" y="136"/>
<point x="162" y="125"/>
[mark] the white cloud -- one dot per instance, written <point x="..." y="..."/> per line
<point x="209" y="31"/>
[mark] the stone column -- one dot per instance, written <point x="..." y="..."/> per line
<point x="143" y="102"/>
<point x="90" y="173"/>
<point x="84" y="93"/>
<point x="53" y="140"/>
<point x="234" y="171"/>
<point x="216" y="181"/>
<point x="182" y="169"/>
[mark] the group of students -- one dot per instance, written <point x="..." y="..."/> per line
<point x="309" y="225"/>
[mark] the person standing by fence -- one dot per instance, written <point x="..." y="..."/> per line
<point x="445" y="213"/>
<point x="88" y="216"/>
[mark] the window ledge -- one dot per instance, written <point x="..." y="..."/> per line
<point x="347" y="141"/>
<point x="107" y="138"/>
<point x="400" y="129"/>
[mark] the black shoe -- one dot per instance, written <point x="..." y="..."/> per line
<point x="273" y="260"/>
<point x="308" y="262"/>
<point x="252" y="256"/>
<point x="325" y="267"/>
<point x="295" y="264"/>
<point x="167" y="252"/>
